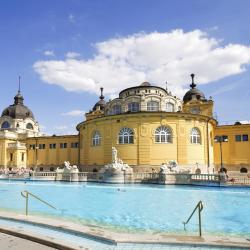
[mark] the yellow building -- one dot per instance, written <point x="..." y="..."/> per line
<point x="234" y="149"/>
<point x="147" y="125"/>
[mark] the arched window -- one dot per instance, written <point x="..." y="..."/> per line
<point x="29" y="126"/>
<point x="96" y="139"/>
<point x="152" y="106"/>
<point x="195" y="136"/>
<point x="5" y="125"/>
<point x="133" y="106"/>
<point x="163" y="134"/>
<point x="243" y="170"/>
<point x="126" y="136"/>
<point x="116" y="109"/>
<point x="169" y="107"/>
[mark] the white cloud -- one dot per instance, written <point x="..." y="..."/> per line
<point x="245" y="122"/>
<point x="155" y="57"/>
<point x="75" y="113"/>
<point x="61" y="127"/>
<point x="49" y="53"/>
<point x="71" y="18"/>
<point x="72" y="54"/>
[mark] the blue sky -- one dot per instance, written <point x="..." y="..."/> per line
<point x="59" y="47"/>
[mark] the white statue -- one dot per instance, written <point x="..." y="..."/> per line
<point x="67" y="168"/>
<point x="116" y="165"/>
<point x="114" y="155"/>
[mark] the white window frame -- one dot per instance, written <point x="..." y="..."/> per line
<point x="126" y="136"/>
<point x="163" y="134"/>
<point x="169" y="107"/>
<point x="96" y="139"/>
<point x="153" y="106"/>
<point x="116" y="109"/>
<point x="195" y="136"/>
<point x="133" y="107"/>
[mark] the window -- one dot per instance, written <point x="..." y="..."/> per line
<point x="52" y="145"/>
<point x="96" y="139"/>
<point x="116" y="109"/>
<point x="63" y="145"/>
<point x="29" y="126"/>
<point x="163" y="134"/>
<point x="41" y="169"/>
<point x="22" y="157"/>
<point x="195" y="136"/>
<point x="126" y="136"/>
<point x="243" y="170"/>
<point x="238" y="138"/>
<point x="5" y="125"/>
<point x="32" y="146"/>
<point x="244" y="137"/>
<point x="74" y="145"/>
<point x="133" y="107"/>
<point x="41" y="146"/>
<point x="169" y="107"/>
<point x="152" y="106"/>
<point x="11" y="156"/>
<point x="51" y="169"/>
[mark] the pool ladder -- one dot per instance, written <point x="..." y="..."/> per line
<point x="26" y="195"/>
<point x="199" y="206"/>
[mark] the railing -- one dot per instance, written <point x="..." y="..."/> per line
<point x="26" y="194"/>
<point x="16" y="145"/>
<point x="199" y="206"/>
<point x="238" y="181"/>
<point x="41" y="174"/>
<point x="205" y="177"/>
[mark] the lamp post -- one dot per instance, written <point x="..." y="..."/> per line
<point x="220" y="139"/>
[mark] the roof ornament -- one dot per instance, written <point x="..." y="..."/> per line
<point x="19" y="84"/>
<point x="101" y="96"/>
<point x="166" y="85"/>
<point x="193" y="85"/>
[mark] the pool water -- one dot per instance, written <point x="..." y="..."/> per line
<point x="149" y="208"/>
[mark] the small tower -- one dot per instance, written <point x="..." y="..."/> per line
<point x="98" y="109"/>
<point x="194" y="101"/>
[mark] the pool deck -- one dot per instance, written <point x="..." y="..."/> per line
<point x="99" y="233"/>
<point x="15" y="243"/>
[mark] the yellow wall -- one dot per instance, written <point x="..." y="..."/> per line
<point x="144" y="151"/>
<point x="52" y="157"/>
<point x="235" y="155"/>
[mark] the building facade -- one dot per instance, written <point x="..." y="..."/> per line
<point x="147" y="124"/>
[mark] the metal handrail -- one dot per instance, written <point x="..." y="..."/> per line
<point x="199" y="206"/>
<point x="26" y="194"/>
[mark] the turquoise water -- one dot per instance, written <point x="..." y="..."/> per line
<point x="136" y="207"/>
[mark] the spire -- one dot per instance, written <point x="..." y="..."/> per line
<point x="19" y="84"/>
<point x="18" y="98"/>
<point x="193" y="85"/>
<point x="101" y="96"/>
<point x="166" y="85"/>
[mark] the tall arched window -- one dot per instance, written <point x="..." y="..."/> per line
<point x="152" y="106"/>
<point x="133" y="106"/>
<point x="96" y="139"/>
<point x="29" y="126"/>
<point x="163" y="134"/>
<point x="116" y="109"/>
<point x="195" y="136"/>
<point x="126" y="136"/>
<point x="169" y="107"/>
<point x="5" y="125"/>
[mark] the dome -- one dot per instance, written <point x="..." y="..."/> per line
<point x="101" y="103"/>
<point x="193" y="93"/>
<point x="146" y="84"/>
<point x="18" y="110"/>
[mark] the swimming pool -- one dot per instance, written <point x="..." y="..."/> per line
<point x="136" y="207"/>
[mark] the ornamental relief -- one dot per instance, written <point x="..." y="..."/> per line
<point x="144" y="130"/>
